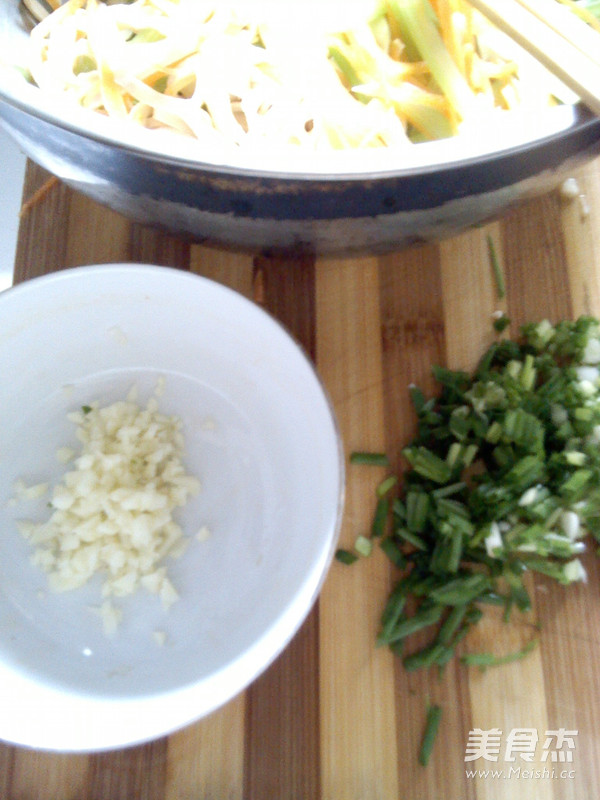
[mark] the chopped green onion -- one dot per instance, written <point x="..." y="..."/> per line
<point x="84" y="63"/>
<point x="422" y="618"/>
<point x="380" y="517"/>
<point x="451" y="624"/>
<point x="417" y="506"/>
<point x="418" y="399"/>
<point x="496" y="268"/>
<point x="427" y="464"/>
<point x="146" y="36"/>
<point x="392" y="612"/>
<point x="502" y="460"/>
<point x="460" y="590"/>
<point x="450" y="489"/>
<point x="394" y="552"/>
<point x="424" y="658"/>
<point x="386" y="485"/>
<point x="363" y="546"/>
<point x="501" y="323"/>
<point x="371" y="459"/>
<point x="432" y="724"/>
<point x="411" y="538"/>
<point x="485" y="660"/>
<point x="345" y="556"/>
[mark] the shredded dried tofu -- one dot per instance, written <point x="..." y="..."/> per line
<point x="112" y="513"/>
<point x="240" y="75"/>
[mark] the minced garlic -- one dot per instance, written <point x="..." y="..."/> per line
<point x="112" y="513"/>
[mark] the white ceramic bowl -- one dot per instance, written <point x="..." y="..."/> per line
<point x="271" y="466"/>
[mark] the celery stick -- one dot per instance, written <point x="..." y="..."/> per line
<point x="418" y="28"/>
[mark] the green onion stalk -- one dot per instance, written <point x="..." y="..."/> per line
<point x="503" y="481"/>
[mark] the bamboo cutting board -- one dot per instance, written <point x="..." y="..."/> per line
<point x="334" y="718"/>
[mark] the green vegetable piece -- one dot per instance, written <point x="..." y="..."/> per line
<point x="394" y="552"/>
<point x="343" y="57"/>
<point x="576" y="483"/>
<point x="428" y="464"/>
<point x="496" y="268"/>
<point x="161" y="83"/>
<point x="84" y="63"/>
<point x="345" y="556"/>
<point x="370" y="459"/>
<point x="386" y="485"/>
<point x="422" y="618"/>
<point x="363" y="546"/>
<point x="432" y="724"/>
<point x="485" y="660"/>
<point x="411" y="538"/>
<point x="420" y="32"/>
<point x="452" y="623"/>
<point x="146" y="36"/>
<point x="450" y="489"/>
<point x="528" y="373"/>
<point x="501" y="323"/>
<point x="461" y="590"/>
<point x="422" y="659"/>
<point x="528" y="471"/>
<point x="493" y="433"/>
<point x="392" y="612"/>
<point x="418" y="399"/>
<point x="531" y="421"/>
<point x="417" y="506"/>
<point x="380" y="517"/>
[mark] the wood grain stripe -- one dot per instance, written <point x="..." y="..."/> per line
<point x="41" y="246"/>
<point x="281" y="707"/>
<point x="207" y="759"/>
<point x="47" y="775"/>
<point x="569" y="639"/>
<point x="234" y="270"/>
<point x="282" y="721"/>
<point x="287" y="290"/>
<point x="580" y="228"/>
<point x="150" y="246"/>
<point x="535" y="262"/>
<point x="469" y="307"/>
<point x="136" y="772"/>
<point x="7" y="764"/>
<point x="571" y="617"/>
<point x="41" y="241"/>
<point x="44" y="246"/>
<point x="358" y="711"/>
<point x="87" y="222"/>
<point x="414" y="338"/>
<point x="470" y="294"/>
<point x="412" y="325"/>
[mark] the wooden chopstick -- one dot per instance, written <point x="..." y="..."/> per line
<point x="562" y="42"/>
<point x="563" y="20"/>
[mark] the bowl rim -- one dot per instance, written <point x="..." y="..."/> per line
<point x="184" y="153"/>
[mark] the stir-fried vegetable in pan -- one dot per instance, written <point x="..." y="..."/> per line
<point x="367" y="73"/>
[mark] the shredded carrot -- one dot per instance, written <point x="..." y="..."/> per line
<point x="217" y="72"/>
<point x="38" y="196"/>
